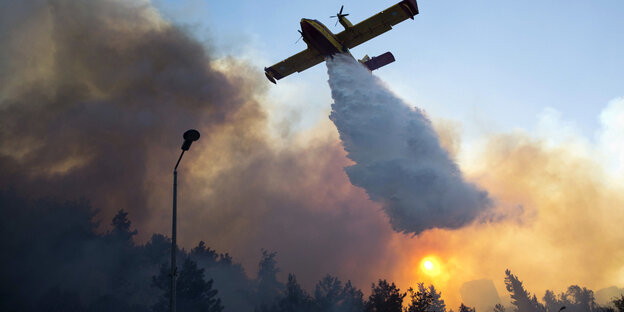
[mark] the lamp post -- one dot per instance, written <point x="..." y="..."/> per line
<point x="189" y="136"/>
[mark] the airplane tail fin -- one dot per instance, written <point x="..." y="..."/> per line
<point x="378" y="61"/>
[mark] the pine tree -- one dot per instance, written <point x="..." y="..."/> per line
<point x="426" y="299"/>
<point x="352" y="299"/>
<point x="581" y="299"/>
<point x="550" y="302"/>
<point x="268" y="287"/>
<point x="121" y="227"/>
<point x="385" y="298"/>
<point x="521" y="298"/>
<point x="330" y="296"/>
<point x="499" y="308"/>
<point x="420" y="301"/>
<point x="437" y="303"/>
<point x="207" y="255"/>
<point x="619" y="303"/>
<point x="463" y="308"/>
<point x="328" y="293"/>
<point x="193" y="293"/>
<point x="295" y="298"/>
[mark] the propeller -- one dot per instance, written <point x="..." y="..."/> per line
<point x="301" y="33"/>
<point x="339" y="15"/>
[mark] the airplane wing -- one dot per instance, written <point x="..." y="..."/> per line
<point x="296" y="63"/>
<point x="378" y="24"/>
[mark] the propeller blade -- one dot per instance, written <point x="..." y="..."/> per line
<point x="339" y="15"/>
<point x="301" y="33"/>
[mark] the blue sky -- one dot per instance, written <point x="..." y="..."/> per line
<point x="488" y="65"/>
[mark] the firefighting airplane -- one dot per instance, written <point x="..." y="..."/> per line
<point x="323" y="43"/>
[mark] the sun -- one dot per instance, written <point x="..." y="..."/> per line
<point x="430" y="266"/>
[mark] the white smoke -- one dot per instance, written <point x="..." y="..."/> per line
<point x="611" y="138"/>
<point x="397" y="154"/>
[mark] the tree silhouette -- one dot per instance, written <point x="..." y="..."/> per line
<point x="328" y="293"/>
<point x="235" y="289"/>
<point x="426" y="299"/>
<point x="420" y="301"/>
<point x="121" y="227"/>
<point x="87" y="271"/>
<point x="437" y="305"/>
<point x="499" y="308"/>
<point x="352" y="299"/>
<point x="521" y="298"/>
<point x="580" y="299"/>
<point x="575" y="299"/>
<point x="463" y="308"/>
<point x="619" y="303"/>
<point x="385" y="297"/>
<point x="157" y="250"/>
<point x="551" y="302"/>
<point x="331" y="296"/>
<point x="127" y="257"/>
<point x="295" y="298"/>
<point x="268" y="287"/>
<point x="193" y="293"/>
<point x="208" y="256"/>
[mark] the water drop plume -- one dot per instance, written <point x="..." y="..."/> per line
<point x="398" y="157"/>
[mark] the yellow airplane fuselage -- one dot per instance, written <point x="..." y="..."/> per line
<point x="318" y="36"/>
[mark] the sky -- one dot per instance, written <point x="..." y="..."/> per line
<point x="483" y="63"/>
<point x="510" y="85"/>
<point x="526" y="98"/>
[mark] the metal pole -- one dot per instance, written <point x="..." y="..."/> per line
<point x="189" y="136"/>
<point x="172" y="301"/>
<point x="174" y="269"/>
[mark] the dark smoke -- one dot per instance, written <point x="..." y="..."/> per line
<point x="399" y="160"/>
<point x="94" y="98"/>
<point x="96" y="95"/>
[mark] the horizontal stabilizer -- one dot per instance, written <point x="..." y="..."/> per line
<point x="379" y="61"/>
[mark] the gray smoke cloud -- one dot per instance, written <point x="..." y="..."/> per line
<point x="95" y="96"/>
<point x="397" y="154"/>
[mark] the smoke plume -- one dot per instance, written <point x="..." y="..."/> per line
<point x="397" y="154"/>
<point x="95" y="96"/>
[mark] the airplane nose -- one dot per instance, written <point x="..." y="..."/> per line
<point x="305" y="25"/>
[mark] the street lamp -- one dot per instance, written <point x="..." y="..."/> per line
<point x="189" y="136"/>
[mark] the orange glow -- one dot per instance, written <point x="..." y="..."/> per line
<point x="430" y="266"/>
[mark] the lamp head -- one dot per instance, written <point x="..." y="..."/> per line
<point x="189" y="137"/>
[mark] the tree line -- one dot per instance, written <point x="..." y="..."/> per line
<point x="54" y="260"/>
